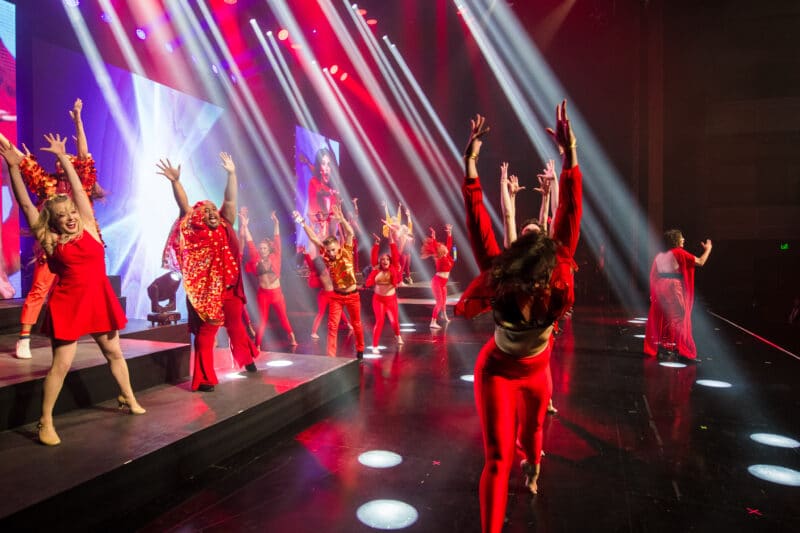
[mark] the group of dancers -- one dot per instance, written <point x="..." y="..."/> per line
<point x="528" y="285"/>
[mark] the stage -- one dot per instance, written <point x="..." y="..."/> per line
<point x="635" y="446"/>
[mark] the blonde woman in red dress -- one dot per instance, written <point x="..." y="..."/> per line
<point x="82" y="301"/>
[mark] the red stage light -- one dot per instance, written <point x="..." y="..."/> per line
<point x="372" y="22"/>
<point x="231" y="1"/>
<point x="343" y="77"/>
<point x="334" y="69"/>
<point x="362" y="12"/>
<point x="283" y="35"/>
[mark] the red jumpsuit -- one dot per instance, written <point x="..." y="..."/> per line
<point x="268" y="298"/>
<point x="512" y="389"/>
<point x="385" y="305"/>
<point x="669" y="322"/>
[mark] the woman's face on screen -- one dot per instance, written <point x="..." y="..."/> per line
<point x="325" y="168"/>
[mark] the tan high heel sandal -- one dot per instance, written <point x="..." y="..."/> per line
<point x="134" y="410"/>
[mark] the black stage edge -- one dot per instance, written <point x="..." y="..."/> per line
<point x="110" y="461"/>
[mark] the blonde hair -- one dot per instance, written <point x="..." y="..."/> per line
<point x="44" y="224"/>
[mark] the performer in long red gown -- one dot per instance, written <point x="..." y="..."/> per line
<point x="669" y="322"/>
<point x="82" y="302"/>
<point x="529" y="285"/>
<point x="204" y="247"/>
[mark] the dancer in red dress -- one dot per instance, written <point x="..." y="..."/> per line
<point x="204" y="247"/>
<point x="528" y="287"/>
<point x="669" y="323"/>
<point x="385" y="277"/>
<point x="44" y="185"/>
<point x="82" y="301"/>
<point x="265" y="264"/>
<point x="443" y="259"/>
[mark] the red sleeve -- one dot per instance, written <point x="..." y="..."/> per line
<point x="449" y="244"/>
<point x="373" y="255"/>
<point x="371" y="278"/>
<point x="567" y="224"/>
<point x="250" y="266"/>
<point x="479" y="225"/>
<point x="395" y="254"/>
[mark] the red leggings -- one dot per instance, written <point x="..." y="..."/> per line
<point x="439" y="288"/>
<point x="43" y="280"/>
<point x="243" y="349"/>
<point x="266" y="299"/>
<point x="352" y="302"/>
<point x="511" y="395"/>
<point x="384" y="306"/>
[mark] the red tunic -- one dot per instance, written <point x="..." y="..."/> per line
<point x="672" y="325"/>
<point x="82" y="301"/>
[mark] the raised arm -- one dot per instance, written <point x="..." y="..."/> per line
<point x="228" y="209"/>
<point x="548" y="187"/>
<point x="80" y="134"/>
<point x="347" y="229"/>
<point x="13" y="158"/>
<point x="312" y="236"/>
<point x="566" y="226"/>
<point x="173" y="174"/>
<point x="700" y="261"/>
<point x="276" y="235"/>
<point x="79" y="196"/>
<point x="507" y="208"/>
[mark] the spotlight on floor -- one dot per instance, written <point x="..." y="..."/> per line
<point x="639" y="336"/>
<point x="637" y="321"/>
<point x="279" y="363"/>
<point x="387" y="514"/>
<point x="672" y="364"/>
<point x="370" y="355"/>
<point x="235" y="375"/>
<point x="407" y="330"/>
<point x="776" y="474"/>
<point x="467" y="377"/>
<point x="713" y="383"/>
<point x="771" y="439"/>
<point x="380" y="459"/>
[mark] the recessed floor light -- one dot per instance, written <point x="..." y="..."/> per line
<point x="387" y="514"/>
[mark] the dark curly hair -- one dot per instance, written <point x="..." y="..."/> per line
<point x="523" y="270"/>
<point x="672" y="238"/>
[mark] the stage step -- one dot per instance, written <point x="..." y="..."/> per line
<point x="89" y="381"/>
<point x="110" y="462"/>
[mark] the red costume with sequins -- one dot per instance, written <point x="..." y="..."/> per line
<point x="343" y="276"/>
<point x="385" y="305"/>
<point x="669" y="322"/>
<point x="209" y="261"/>
<point x="512" y="388"/>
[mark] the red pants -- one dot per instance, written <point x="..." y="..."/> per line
<point x="266" y="299"/>
<point x="323" y="299"/>
<point x="43" y="281"/>
<point x="384" y="306"/>
<point x="673" y="306"/>
<point x="351" y="302"/>
<point x="511" y="395"/>
<point x="439" y="288"/>
<point x="243" y="349"/>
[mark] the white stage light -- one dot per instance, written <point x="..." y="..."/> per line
<point x="279" y="363"/>
<point x="776" y="474"/>
<point x="771" y="439"/>
<point x="380" y="459"/>
<point x="672" y="364"/>
<point x="468" y="377"/>
<point x="713" y="383"/>
<point x="387" y="514"/>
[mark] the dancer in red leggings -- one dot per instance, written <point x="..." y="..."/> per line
<point x="385" y="277"/>
<point x="528" y="287"/>
<point x="265" y="264"/>
<point x="444" y="261"/>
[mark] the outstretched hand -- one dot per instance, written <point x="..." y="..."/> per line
<point x="58" y="144"/>
<point x="448" y="228"/>
<point x="167" y="170"/>
<point x="12" y="156"/>
<point x="244" y="216"/>
<point x="478" y="129"/>
<point x="706" y="244"/>
<point x="513" y="185"/>
<point x="274" y="217"/>
<point x="547" y="177"/>
<point x="75" y="112"/>
<point x="562" y="135"/>
<point x="227" y="162"/>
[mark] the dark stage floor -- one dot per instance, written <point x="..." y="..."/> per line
<point x="636" y="446"/>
